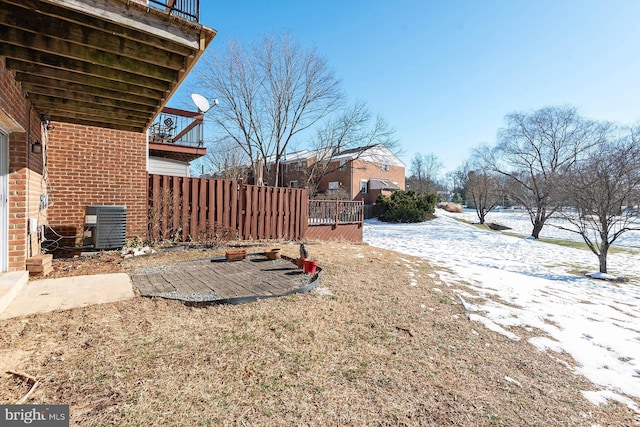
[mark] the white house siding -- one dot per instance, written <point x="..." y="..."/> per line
<point x="161" y="166"/>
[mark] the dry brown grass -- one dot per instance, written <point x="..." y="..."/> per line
<point x="368" y="349"/>
<point x="450" y="207"/>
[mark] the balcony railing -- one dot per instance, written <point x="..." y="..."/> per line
<point x="178" y="127"/>
<point x="323" y="212"/>
<point x="186" y="9"/>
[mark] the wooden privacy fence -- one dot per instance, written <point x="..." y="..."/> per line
<point x="212" y="210"/>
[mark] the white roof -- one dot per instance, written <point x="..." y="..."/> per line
<point x="382" y="184"/>
<point x="375" y="154"/>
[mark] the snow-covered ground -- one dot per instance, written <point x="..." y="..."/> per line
<point x="519" y="222"/>
<point x="506" y="281"/>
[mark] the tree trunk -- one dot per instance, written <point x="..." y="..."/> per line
<point x="537" y="227"/>
<point x="481" y="216"/>
<point x="276" y="178"/>
<point x="604" y="249"/>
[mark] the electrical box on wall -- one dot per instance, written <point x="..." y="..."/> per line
<point x="33" y="226"/>
<point x="44" y="201"/>
<point x="105" y="226"/>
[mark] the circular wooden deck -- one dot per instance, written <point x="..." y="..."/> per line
<point x="221" y="281"/>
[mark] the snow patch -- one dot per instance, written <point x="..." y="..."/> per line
<point x="326" y="292"/>
<point x="601" y="276"/>
<point x="493" y="326"/>
<point x="512" y="381"/>
<point x="467" y="306"/>
<point x="543" y="344"/>
<point x="531" y="284"/>
<point x="601" y="397"/>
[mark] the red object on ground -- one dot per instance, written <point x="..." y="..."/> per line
<point x="310" y="266"/>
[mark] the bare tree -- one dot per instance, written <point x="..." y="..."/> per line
<point x="352" y="129"/>
<point x="226" y="160"/>
<point x="604" y="195"/>
<point x="535" y="150"/>
<point x="424" y="172"/>
<point x="483" y="186"/>
<point x="458" y="180"/>
<point x="268" y="94"/>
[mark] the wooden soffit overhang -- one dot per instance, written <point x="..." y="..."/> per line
<point x="105" y="63"/>
<point x="176" y="152"/>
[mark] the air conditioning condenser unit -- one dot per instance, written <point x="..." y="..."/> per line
<point x="105" y="226"/>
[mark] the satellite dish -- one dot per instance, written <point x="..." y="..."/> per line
<point x="201" y="102"/>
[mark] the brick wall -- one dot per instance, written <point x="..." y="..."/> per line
<point x="343" y="177"/>
<point x="357" y="170"/>
<point x="366" y="170"/>
<point x="26" y="181"/>
<point x="85" y="166"/>
<point x="96" y="166"/>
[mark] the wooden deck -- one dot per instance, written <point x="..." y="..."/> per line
<point x="222" y="281"/>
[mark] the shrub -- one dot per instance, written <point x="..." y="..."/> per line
<point x="406" y="206"/>
<point x="457" y="198"/>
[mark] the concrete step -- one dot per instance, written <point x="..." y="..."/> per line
<point x="41" y="296"/>
<point x="10" y="286"/>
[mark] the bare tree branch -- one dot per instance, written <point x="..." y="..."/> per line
<point x="424" y="172"/>
<point x="536" y="149"/>
<point x="352" y="130"/>
<point x="483" y="186"/>
<point x="603" y="192"/>
<point x="225" y="159"/>
<point x="268" y="94"/>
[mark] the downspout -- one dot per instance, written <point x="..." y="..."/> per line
<point x="351" y="179"/>
<point x="146" y="133"/>
<point x="28" y="175"/>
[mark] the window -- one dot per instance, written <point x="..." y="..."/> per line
<point x="385" y="167"/>
<point x="334" y="185"/>
<point x="363" y="186"/>
<point x="343" y="165"/>
<point x="293" y="184"/>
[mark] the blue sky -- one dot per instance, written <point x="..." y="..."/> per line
<point x="444" y="74"/>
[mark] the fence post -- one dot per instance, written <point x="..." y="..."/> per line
<point x="234" y="189"/>
<point x="304" y="214"/>
<point x="186" y="199"/>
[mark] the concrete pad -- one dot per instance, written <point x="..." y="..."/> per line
<point x="69" y="292"/>
<point x="10" y="286"/>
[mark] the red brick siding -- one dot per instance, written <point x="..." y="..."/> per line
<point x="97" y="166"/>
<point x="366" y="170"/>
<point x="357" y="170"/>
<point x="291" y="172"/>
<point x="25" y="170"/>
<point x="13" y="101"/>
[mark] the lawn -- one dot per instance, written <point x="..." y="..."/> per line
<point x="381" y="342"/>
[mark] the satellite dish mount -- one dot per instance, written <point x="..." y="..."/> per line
<point x="202" y="103"/>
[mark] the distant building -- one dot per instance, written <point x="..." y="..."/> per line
<point x="356" y="174"/>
